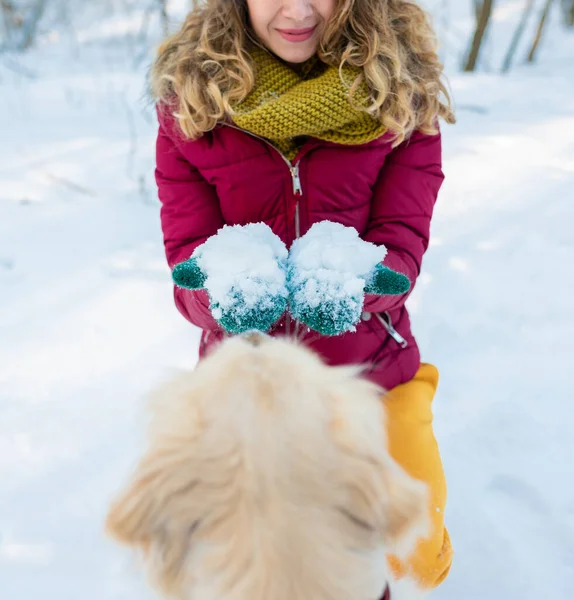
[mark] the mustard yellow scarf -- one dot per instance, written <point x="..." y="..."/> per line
<point x="286" y="106"/>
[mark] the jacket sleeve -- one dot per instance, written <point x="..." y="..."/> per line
<point x="190" y="213"/>
<point x="403" y="201"/>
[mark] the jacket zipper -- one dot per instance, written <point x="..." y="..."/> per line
<point x="297" y="191"/>
<point x="293" y="169"/>
<point x="388" y="325"/>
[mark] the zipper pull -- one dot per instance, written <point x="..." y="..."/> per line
<point x="297" y="189"/>
<point x="388" y="325"/>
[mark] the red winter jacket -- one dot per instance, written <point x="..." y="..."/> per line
<point x="228" y="176"/>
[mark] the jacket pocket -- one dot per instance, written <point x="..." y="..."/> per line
<point x="382" y="325"/>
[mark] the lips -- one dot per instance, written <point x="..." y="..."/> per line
<point x="297" y="35"/>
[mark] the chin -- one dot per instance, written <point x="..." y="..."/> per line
<point x="294" y="53"/>
<point x="296" y="57"/>
<point x="267" y="477"/>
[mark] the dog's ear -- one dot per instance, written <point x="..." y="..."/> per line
<point x="144" y="507"/>
<point x="404" y="505"/>
<point x="387" y="501"/>
<point x="167" y="473"/>
<point x="156" y="514"/>
<point x="380" y="496"/>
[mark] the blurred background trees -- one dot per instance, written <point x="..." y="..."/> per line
<point x="22" y="21"/>
<point x="484" y="10"/>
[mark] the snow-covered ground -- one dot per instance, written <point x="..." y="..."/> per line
<point x="87" y="322"/>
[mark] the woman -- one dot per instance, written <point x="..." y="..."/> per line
<point x="291" y="112"/>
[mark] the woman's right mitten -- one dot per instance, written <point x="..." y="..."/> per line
<point x="244" y="270"/>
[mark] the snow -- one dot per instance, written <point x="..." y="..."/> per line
<point x="245" y="263"/>
<point x="329" y="268"/>
<point x="337" y="249"/>
<point x="88" y="326"/>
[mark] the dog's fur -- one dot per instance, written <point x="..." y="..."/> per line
<point x="267" y="477"/>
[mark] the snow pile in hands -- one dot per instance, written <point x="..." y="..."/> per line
<point x="245" y="276"/>
<point x="329" y="268"/>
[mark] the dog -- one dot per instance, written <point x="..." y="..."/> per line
<point x="267" y="477"/>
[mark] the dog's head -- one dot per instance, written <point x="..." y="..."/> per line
<point x="267" y="476"/>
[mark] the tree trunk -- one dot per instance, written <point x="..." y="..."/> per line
<point x="477" y="9"/>
<point x="8" y="20"/>
<point x="31" y="24"/>
<point x="21" y="22"/>
<point x="540" y="30"/>
<point x="517" y="35"/>
<point x="568" y="12"/>
<point x="481" y="27"/>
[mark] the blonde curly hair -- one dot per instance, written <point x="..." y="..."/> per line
<point x="206" y="69"/>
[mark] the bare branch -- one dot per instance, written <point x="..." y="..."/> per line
<point x="164" y="16"/>
<point x="540" y="30"/>
<point x="519" y="32"/>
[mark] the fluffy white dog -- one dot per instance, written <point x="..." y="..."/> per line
<point x="267" y="477"/>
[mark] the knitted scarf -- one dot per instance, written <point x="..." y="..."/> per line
<point x="286" y="106"/>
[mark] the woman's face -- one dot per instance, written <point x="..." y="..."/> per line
<point x="291" y="29"/>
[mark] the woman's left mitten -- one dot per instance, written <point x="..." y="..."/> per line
<point x="330" y="270"/>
